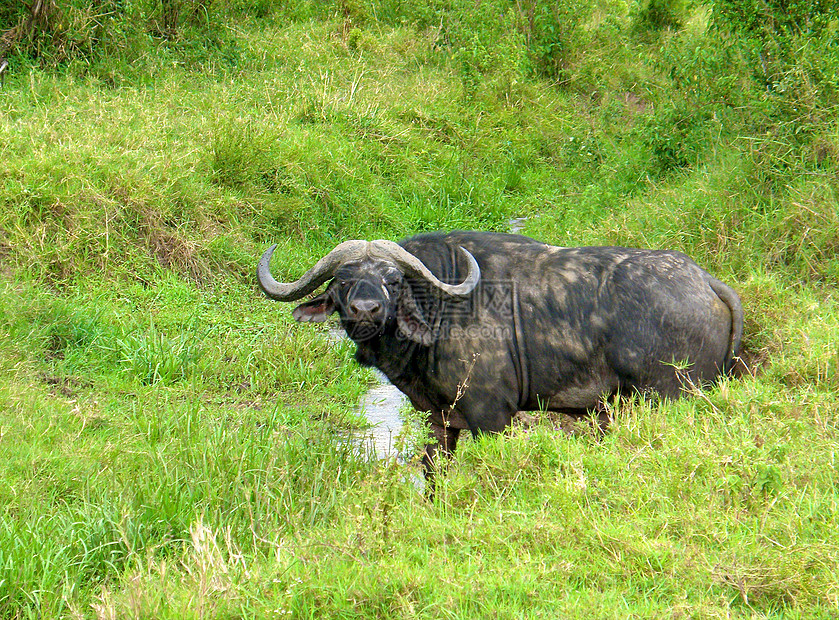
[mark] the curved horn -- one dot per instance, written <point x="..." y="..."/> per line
<point x="411" y="263"/>
<point x="309" y="281"/>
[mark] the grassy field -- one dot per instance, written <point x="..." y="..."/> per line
<point x="172" y="445"/>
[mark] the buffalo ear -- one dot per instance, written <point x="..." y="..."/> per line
<point x="316" y="310"/>
<point x="411" y="323"/>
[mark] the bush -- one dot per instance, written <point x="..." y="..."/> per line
<point x="654" y="15"/>
<point x="675" y="137"/>
<point x="552" y="30"/>
<point x="767" y="20"/>
<point x="773" y="33"/>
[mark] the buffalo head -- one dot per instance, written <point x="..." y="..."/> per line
<point x="369" y="289"/>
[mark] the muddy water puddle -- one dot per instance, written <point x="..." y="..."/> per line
<point x="380" y="405"/>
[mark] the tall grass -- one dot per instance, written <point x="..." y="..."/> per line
<point x="172" y="445"/>
<point x="153" y="357"/>
<point x="112" y="482"/>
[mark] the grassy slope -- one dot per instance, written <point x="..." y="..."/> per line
<point x="167" y="438"/>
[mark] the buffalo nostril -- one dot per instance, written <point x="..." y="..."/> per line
<point x="366" y="307"/>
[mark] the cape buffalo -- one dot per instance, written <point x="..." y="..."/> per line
<point x="475" y="326"/>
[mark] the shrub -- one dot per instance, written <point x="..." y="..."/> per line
<point x="674" y="136"/>
<point x="654" y="15"/>
<point x="773" y="33"/>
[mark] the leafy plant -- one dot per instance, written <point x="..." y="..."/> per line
<point x="552" y="32"/>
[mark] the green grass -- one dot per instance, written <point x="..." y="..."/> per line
<point x="172" y="445"/>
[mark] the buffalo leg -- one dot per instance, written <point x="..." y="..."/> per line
<point x="442" y="442"/>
